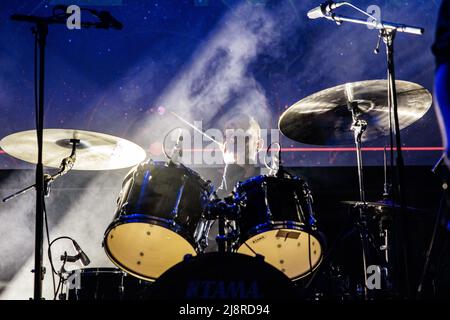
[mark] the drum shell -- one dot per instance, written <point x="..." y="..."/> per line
<point x="271" y="200"/>
<point x="276" y="220"/>
<point x="106" y="284"/>
<point x="153" y="198"/>
<point x="159" y="219"/>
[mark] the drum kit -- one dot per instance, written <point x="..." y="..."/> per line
<point x="159" y="232"/>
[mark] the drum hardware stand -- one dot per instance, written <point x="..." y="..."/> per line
<point x="222" y="211"/>
<point x="66" y="165"/>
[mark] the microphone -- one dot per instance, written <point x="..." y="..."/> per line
<point x="81" y="255"/>
<point x="324" y="9"/>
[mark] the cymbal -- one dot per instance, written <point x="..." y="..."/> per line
<point x="324" y="119"/>
<point x="381" y="205"/>
<point x="96" y="151"/>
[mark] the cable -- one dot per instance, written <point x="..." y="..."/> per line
<point x="49" y="248"/>
<point x="49" y="253"/>
<point x="267" y="152"/>
<point x="431" y="245"/>
<point x="359" y="10"/>
<point x="164" y="142"/>
<point x="61" y="277"/>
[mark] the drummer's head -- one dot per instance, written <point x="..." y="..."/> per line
<point x="242" y="139"/>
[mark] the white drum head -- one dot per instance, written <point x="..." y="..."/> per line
<point x="146" y="250"/>
<point x="295" y="253"/>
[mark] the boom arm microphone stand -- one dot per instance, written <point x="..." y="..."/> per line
<point x="40" y="32"/>
<point x="388" y="31"/>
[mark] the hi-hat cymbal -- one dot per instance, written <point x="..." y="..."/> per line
<point x="380" y="205"/>
<point x="96" y="151"/>
<point x="324" y="119"/>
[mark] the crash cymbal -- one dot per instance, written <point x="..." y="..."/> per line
<point x="96" y="151"/>
<point x="324" y="119"/>
<point x="380" y="205"/>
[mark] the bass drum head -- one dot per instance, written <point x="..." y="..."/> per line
<point x="223" y="276"/>
<point x="293" y="252"/>
<point x="145" y="250"/>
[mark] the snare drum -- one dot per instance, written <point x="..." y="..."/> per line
<point x="158" y="219"/>
<point x="277" y="221"/>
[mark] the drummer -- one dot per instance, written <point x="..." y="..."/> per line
<point x="242" y="136"/>
<point x="242" y="143"/>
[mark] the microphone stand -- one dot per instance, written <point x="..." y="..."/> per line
<point x="388" y="31"/>
<point x="40" y="31"/>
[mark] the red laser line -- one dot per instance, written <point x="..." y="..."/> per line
<point x="335" y="149"/>
<point x="326" y="149"/>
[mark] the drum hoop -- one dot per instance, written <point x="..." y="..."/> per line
<point x="99" y="270"/>
<point x="141" y="218"/>
<point x="276" y="225"/>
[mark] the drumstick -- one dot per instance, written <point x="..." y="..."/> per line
<point x="221" y="145"/>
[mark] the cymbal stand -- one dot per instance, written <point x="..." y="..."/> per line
<point x="66" y="165"/>
<point x="359" y="127"/>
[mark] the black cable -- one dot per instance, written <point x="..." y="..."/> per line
<point x="49" y="248"/>
<point x="61" y="277"/>
<point x="342" y="236"/>
<point x="49" y="253"/>
<point x="431" y="245"/>
<point x="267" y="152"/>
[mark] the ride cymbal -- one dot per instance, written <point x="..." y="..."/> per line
<point x="324" y="118"/>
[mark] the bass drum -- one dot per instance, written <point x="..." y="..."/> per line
<point x="158" y="219"/>
<point x="223" y="276"/>
<point x="105" y="284"/>
<point x="277" y="221"/>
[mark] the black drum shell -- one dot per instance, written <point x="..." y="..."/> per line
<point x="159" y="219"/>
<point x="97" y="284"/>
<point x="157" y="199"/>
<point x="283" y="196"/>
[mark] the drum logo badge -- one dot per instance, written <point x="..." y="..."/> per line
<point x="210" y="289"/>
